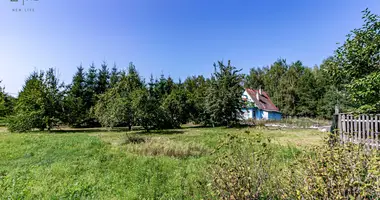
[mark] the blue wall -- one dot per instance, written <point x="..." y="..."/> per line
<point x="259" y="114"/>
<point x="274" y="116"/>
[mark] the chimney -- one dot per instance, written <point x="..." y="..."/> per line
<point x="260" y="92"/>
<point x="257" y="96"/>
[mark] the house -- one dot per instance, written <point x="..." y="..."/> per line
<point x="258" y="105"/>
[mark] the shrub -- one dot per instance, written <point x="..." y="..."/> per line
<point x="20" y="123"/>
<point x="134" y="139"/>
<point x="251" y="169"/>
<point x="244" y="169"/>
<point x="341" y="172"/>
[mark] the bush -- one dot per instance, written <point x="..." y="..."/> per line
<point x="134" y="139"/>
<point x="250" y="169"/>
<point x="341" y="172"/>
<point x="244" y="169"/>
<point x="19" y="123"/>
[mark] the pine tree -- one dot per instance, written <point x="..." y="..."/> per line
<point x="74" y="103"/>
<point x="115" y="76"/>
<point x="90" y="87"/>
<point x="224" y="101"/>
<point x="102" y="79"/>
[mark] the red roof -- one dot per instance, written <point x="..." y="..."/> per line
<point x="264" y="102"/>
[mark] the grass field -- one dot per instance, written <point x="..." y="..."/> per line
<point x="97" y="164"/>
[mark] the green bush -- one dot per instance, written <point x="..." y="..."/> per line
<point x="244" y="168"/>
<point x="19" y="123"/>
<point x="251" y="168"/>
<point x="341" y="172"/>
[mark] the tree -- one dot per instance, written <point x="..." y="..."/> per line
<point x="255" y="79"/>
<point x="306" y="92"/>
<point x="53" y="105"/>
<point x="39" y="104"/>
<point x="90" y="87"/>
<point x="359" y="64"/>
<point x="114" y="107"/>
<point x="147" y="110"/>
<point x="115" y="76"/>
<point x="224" y="101"/>
<point x="74" y="101"/>
<point x="272" y="81"/>
<point x="197" y="89"/>
<point x="177" y="106"/>
<point x="102" y="79"/>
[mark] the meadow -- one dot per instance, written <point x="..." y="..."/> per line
<point x="101" y="164"/>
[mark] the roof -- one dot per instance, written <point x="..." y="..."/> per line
<point x="263" y="102"/>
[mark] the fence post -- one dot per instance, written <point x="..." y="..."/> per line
<point x="338" y="123"/>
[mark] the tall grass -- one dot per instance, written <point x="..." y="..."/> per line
<point x="302" y="122"/>
<point x="78" y="166"/>
<point x="160" y="146"/>
<point x="251" y="168"/>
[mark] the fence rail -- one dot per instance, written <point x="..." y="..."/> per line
<point x="360" y="129"/>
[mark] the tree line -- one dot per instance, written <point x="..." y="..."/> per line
<point x="111" y="97"/>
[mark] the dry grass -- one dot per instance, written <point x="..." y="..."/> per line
<point x="161" y="146"/>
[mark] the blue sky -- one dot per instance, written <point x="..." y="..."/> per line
<point x="175" y="37"/>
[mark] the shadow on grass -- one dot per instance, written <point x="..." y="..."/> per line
<point x="163" y="132"/>
<point x="194" y="126"/>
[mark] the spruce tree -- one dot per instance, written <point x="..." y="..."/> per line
<point x="75" y="109"/>
<point x="114" y="77"/>
<point x="224" y="100"/>
<point x="102" y="79"/>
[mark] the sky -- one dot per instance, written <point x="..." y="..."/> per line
<point x="179" y="38"/>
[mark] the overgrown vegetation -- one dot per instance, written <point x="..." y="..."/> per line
<point x="200" y="163"/>
<point x="160" y="146"/>
<point x="193" y="163"/>
<point x="248" y="168"/>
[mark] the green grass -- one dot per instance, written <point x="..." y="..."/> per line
<point x="96" y="164"/>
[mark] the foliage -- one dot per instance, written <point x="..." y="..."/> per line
<point x="102" y="79"/>
<point x="39" y="103"/>
<point x="197" y="90"/>
<point x="248" y="168"/>
<point x="177" y="106"/>
<point x="243" y="171"/>
<point x="114" y="76"/>
<point x="341" y="172"/>
<point x="75" y="112"/>
<point x="224" y="100"/>
<point x="114" y="107"/>
<point x="7" y="103"/>
<point x="359" y="64"/>
<point x="147" y="110"/>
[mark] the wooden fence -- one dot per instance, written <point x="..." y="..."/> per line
<point x="362" y="129"/>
